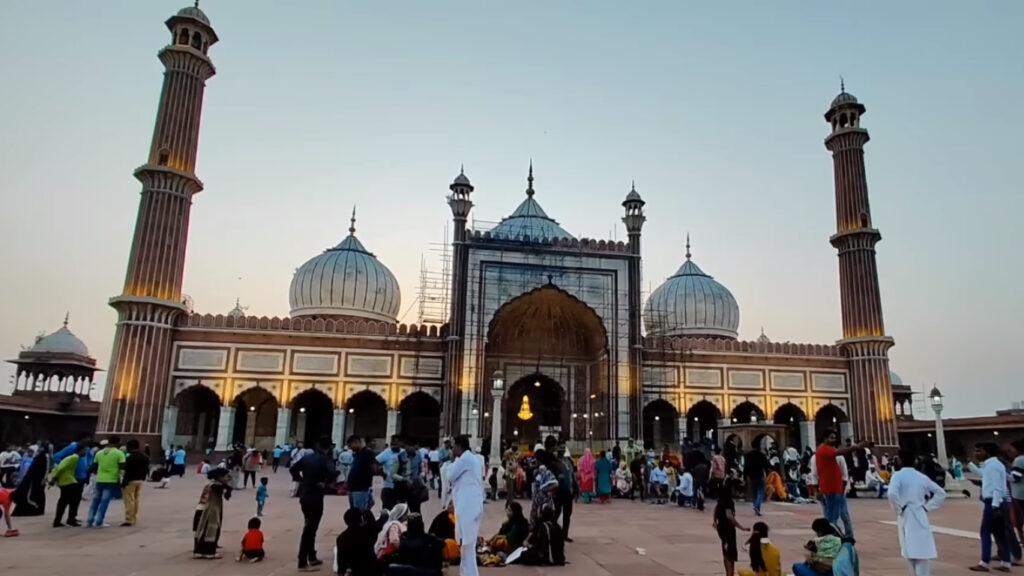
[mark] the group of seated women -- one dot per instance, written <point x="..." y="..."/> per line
<point x="517" y="542"/>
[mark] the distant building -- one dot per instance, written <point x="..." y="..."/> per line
<point x="561" y="316"/>
<point x="52" y="386"/>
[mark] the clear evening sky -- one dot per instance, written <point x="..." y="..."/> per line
<point x="715" y="109"/>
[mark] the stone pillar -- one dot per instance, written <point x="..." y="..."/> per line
<point x="225" y="426"/>
<point x="392" y="424"/>
<point x="807" y="435"/>
<point x="845" y="431"/>
<point x="284" y="421"/>
<point x="300" y="427"/>
<point x="338" y="428"/>
<point x="170" y="425"/>
<point x="497" y="390"/>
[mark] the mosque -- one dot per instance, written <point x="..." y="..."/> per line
<point x="553" y="326"/>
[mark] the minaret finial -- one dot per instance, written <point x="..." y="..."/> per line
<point x="67" y="315"/>
<point x="687" y="245"/>
<point x="196" y="5"/>
<point x="352" y="222"/>
<point x="462" y="169"/>
<point x="842" y="84"/>
<point x="632" y="186"/>
<point x="529" y="181"/>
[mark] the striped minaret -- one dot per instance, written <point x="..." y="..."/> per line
<point x="864" y="340"/>
<point x="137" y="382"/>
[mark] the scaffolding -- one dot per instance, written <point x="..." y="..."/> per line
<point x="435" y="282"/>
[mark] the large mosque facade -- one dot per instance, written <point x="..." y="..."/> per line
<point x="561" y="319"/>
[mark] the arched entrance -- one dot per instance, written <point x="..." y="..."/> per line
<point x="661" y="425"/>
<point x="791" y="416"/>
<point x="747" y="412"/>
<point x="547" y="412"/>
<point x="312" y="416"/>
<point x="198" y="413"/>
<point x="549" y="337"/>
<point x="255" y="419"/>
<point x="367" y="417"/>
<point x="829" y="417"/>
<point x="702" y="421"/>
<point x="420" y="419"/>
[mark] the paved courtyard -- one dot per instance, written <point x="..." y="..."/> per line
<point x="608" y="537"/>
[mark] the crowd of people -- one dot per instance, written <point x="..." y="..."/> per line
<point x="397" y="539"/>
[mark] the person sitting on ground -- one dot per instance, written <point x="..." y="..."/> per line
<point x="685" y="492"/>
<point x="513" y="531"/>
<point x="775" y="488"/>
<point x="419" y="553"/>
<point x="820" y="552"/>
<point x="765" y="558"/>
<point x="545" y="546"/>
<point x="252" y="543"/>
<point x="391" y="533"/>
<point x="443" y="527"/>
<point x="353" y="549"/>
<point x="623" y="481"/>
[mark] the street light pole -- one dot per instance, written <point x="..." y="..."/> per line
<point x="940" y="437"/>
<point x="497" y="392"/>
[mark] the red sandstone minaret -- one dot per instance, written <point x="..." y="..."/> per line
<point x="634" y="220"/>
<point x="864" y="339"/>
<point x="137" y="384"/>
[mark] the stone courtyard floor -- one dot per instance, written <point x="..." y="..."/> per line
<point x="607" y="537"/>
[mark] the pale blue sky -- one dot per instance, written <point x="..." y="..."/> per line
<point x="714" y="108"/>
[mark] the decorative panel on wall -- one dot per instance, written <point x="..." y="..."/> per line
<point x="746" y="380"/>
<point x="367" y="365"/>
<point x="828" y="382"/>
<point x="790" y="381"/>
<point x="202" y="359"/>
<point x="307" y="363"/>
<point x="703" y="378"/>
<point x="661" y="376"/>
<point x="259" y="361"/>
<point x="419" y="367"/>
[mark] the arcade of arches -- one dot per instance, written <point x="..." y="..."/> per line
<point x="553" y="349"/>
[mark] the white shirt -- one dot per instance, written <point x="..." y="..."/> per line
<point x="466" y="477"/>
<point x="686" y="485"/>
<point x="434" y="456"/>
<point x="993" y="480"/>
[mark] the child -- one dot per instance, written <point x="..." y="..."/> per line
<point x="252" y="543"/>
<point x="5" y="511"/>
<point x="205" y="467"/>
<point x="261" y="495"/>
<point x="765" y="558"/>
<point x="725" y="524"/>
<point x="821" y="551"/>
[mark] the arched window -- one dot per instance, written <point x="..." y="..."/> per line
<point x="842" y="120"/>
<point x="162" y="156"/>
<point x="183" y="36"/>
<point x="864" y="220"/>
<point x="197" y="40"/>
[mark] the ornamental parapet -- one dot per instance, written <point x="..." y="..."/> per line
<point x="353" y="327"/>
<point x="573" y="244"/>
<point x="683" y="345"/>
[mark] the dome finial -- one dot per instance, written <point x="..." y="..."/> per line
<point x="529" y="181"/>
<point x="687" y="245"/>
<point x="462" y="169"/>
<point x="67" y="315"/>
<point x="196" y="5"/>
<point x="352" y="222"/>
<point x="632" y="185"/>
<point x="842" y="84"/>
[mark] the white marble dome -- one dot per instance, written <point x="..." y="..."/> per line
<point x="63" y="341"/>
<point x="346" y="280"/>
<point x="691" y="303"/>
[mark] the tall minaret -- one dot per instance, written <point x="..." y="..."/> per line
<point x="460" y="204"/>
<point x="137" y="384"/>
<point x="864" y="340"/>
<point x="634" y="220"/>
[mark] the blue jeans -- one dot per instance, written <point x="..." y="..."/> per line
<point x="803" y="569"/>
<point x="994" y="525"/>
<point x="758" y="487"/>
<point x="99" y="503"/>
<point x="361" y="500"/>
<point x="835" y="510"/>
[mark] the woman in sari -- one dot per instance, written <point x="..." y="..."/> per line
<point x="623" y="481"/>
<point x="603" y="469"/>
<point x="209" y="516"/>
<point x="30" y="495"/>
<point x="586" y="476"/>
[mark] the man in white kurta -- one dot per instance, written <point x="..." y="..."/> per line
<point x="913" y="495"/>
<point x="466" y="476"/>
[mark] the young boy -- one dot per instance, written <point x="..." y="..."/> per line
<point x="252" y="542"/>
<point x="261" y="495"/>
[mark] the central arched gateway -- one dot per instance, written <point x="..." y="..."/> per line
<point x="553" y="348"/>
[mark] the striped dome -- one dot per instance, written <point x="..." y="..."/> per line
<point x="346" y="280"/>
<point x="691" y="303"/>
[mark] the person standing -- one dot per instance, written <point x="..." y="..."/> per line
<point x="466" y="477"/>
<point x="913" y="495"/>
<point x="136" y="469"/>
<point x="717" y="473"/>
<point x="755" y="468"/>
<point x="360" y="474"/>
<point x="109" y="463"/>
<point x="392" y="462"/>
<point x="10" y="459"/>
<point x="63" y="476"/>
<point x="252" y="463"/>
<point x="276" y="455"/>
<point x="313" y="471"/>
<point x="416" y="491"/>
<point x="831" y="482"/>
<point x="209" y="515"/>
<point x="1016" y="452"/>
<point x="995" y="507"/>
<point x="179" y="462"/>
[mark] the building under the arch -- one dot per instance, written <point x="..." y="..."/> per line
<point x="562" y="317"/>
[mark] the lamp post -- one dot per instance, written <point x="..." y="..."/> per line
<point x="497" y="392"/>
<point x="935" y="396"/>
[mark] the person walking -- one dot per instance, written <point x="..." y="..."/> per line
<point x="276" y="458"/>
<point x="313" y="471"/>
<point x="755" y="468"/>
<point x="466" y="476"/>
<point x="995" y="507"/>
<point x="63" y="476"/>
<point x="831" y="482"/>
<point x="913" y="495"/>
<point x="178" y="457"/>
<point x="136" y="469"/>
<point x="109" y="462"/>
